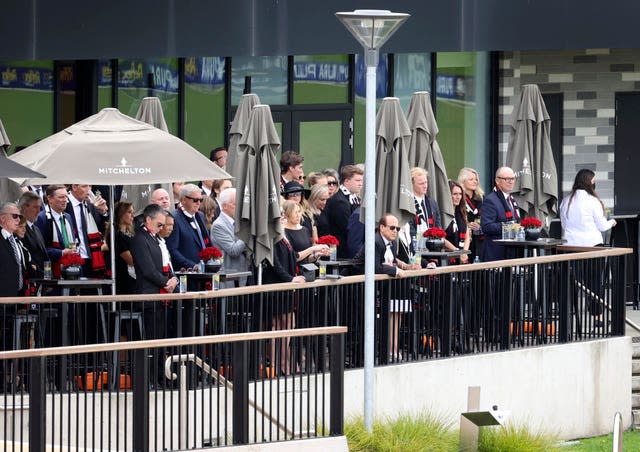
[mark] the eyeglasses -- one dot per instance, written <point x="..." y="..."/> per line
<point x="194" y="199"/>
<point x="394" y="228"/>
<point x="507" y="179"/>
<point x="15" y="216"/>
<point x="332" y="182"/>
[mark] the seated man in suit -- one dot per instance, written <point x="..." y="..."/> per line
<point x="498" y="207"/>
<point x="190" y="235"/>
<point x="223" y="236"/>
<point x="387" y="262"/>
<point x="342" y="204"/>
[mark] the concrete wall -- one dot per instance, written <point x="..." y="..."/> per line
<point x="572" y="390"/>
<point x="588" y="80"/>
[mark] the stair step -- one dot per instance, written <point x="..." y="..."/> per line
<point x="635" y="401"/>
<point x="635" y="367"/>
<point x="635" y="415"/>
<point x="635" y="350"/>
<point x="635" y="383"/>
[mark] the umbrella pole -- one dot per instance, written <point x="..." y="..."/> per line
<point x="112" y="242"/>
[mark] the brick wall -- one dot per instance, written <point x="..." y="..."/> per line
<point x="588" y="80"/>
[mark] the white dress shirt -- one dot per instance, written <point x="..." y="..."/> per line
<point x="583" y="222"/>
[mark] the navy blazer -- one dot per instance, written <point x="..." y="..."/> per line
<point x="183" y="243"/>
<point x="493" y="215"/>
<point x="381" y="248"/>
<point x="46" y="224"/>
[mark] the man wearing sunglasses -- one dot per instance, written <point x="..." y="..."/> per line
<point x="189" y="234"/>
<point x="10" y="263"/>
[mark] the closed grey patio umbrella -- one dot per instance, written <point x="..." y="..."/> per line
<point x="149" y="111"/>
<point x="393" y="177"/>
<point x="530" y="155"/>
<point x="258" y="186"/>
<point x="425" y="152"/>
<point x="238" y="128"/>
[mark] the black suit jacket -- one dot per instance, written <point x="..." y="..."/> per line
<point x="337" y="212"/>
<point x="34" y="242"/>
<point x="381" y="248"/>
<point x="8" y="270"/>
<point x="284" y="265"/>
<point x="147" y="260"/>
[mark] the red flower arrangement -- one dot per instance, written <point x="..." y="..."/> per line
<point x="70" y="260"/>
<point x="328" y="240"/>
<point x="434" y="233"/>
<point x="531" y="223"/>
<point x="210" y="252"/>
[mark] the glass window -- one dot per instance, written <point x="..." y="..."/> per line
<point x="412" y="72"/>
<point x="26" y="101"/>
<point x="321" y="79"/>
<point x="204" y="102"/>
<point x="105" y="75"/>
<point x="462" y="112"/>
<point x="142" y="78"/>
<point x="268" y="78"/>
<point x="360" y="121"/>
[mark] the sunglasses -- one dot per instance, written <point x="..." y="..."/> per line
<point x="394" y="228"/>
<point x="194" y="199"/>
<point x="160" y="225"/>
<point x="15" y="216"/>
<point x="332" y="182"/>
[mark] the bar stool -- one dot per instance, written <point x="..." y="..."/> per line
<point x="119" y="317"/>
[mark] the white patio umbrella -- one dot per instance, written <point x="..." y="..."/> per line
<point x="111" y="148"/>
<point x="149" y="111"/>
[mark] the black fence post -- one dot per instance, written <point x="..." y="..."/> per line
<point x="336" y="413"/>
<point x="37" y="404"/>
<point x="240" y="392"/>
<point x="447" y="315"/>
<point x="565" y="303"/>
<point x="618" y="294"/>
<point x="508" y="297"/>
<point x="141" y="400"/>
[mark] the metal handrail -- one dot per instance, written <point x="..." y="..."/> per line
<point x="617" y="432"/>
<point x="197" y="361"/>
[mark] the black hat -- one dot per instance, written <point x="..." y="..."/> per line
<point x="292" y="187"/>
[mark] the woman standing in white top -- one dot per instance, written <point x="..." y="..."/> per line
<point x="582" y="212"/>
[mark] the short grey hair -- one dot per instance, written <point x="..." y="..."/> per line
<point x="188" y="188"/>
<point x="4" y="207"/>
<point x="225" y="195"/>
<point x="27" y="198"/>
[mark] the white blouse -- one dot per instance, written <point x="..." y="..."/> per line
<point x="584" y="221"/>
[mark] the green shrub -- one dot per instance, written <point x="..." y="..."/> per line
<point x="512" y="438"/>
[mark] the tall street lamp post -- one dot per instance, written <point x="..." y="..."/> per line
<point x="372" y="28"/>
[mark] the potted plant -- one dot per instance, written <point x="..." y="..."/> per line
<point x="434" y="239"/>
<point x="531" y="227"/>
<point x="332" y="243"/>
<point x="70" y="265"/>
<point x="211" y="257"/>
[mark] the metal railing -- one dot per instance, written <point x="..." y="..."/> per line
<point x="235" y="402"/>
<point x="572" y="296"/>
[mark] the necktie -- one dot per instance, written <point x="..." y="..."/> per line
<point x="16" y="253"/>
<point x="197" y="228"/>
<point x="63" y="229"/>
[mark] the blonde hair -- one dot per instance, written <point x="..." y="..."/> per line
<point x="316" y="192"/>
<point x="289" y="206"/>
<point x="464" y="174"/>
<point x="417" y="171"/>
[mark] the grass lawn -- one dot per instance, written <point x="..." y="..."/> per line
<point x="630" y="439"/>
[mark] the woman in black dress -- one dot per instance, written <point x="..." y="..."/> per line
<point x="299" y="235"/>
<point x="125" y="279"/>
<point x="457" y="237"/>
